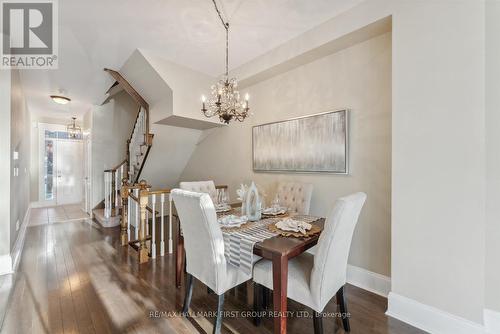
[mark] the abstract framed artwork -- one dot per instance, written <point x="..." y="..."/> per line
<point x="310" y="144"/>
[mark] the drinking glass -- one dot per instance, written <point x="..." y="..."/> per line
<point x="276" y="204"/>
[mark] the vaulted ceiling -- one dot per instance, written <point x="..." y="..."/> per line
<point x="94" y="34"/>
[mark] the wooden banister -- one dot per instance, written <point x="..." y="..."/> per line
<point x="127" y="87"/>
<point x="114" y="169"/>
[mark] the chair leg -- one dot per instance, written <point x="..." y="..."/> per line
<point x="189" y="294"/>
<point x="218" y="320"/>
<point x="266" y="297"/>
<point x="257" y="303"/>
<point x="343" y="309"/>
<point x="318" y="323"/>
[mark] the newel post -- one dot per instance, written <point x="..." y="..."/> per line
<point x="143" y="202"/>
<point x="124" y="225"/>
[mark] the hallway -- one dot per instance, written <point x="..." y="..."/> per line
<point x="55" y="214"/>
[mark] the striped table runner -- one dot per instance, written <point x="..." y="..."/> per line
<point x="239" y="242"/>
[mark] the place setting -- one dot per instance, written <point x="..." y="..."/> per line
<point x="274" y="219"/>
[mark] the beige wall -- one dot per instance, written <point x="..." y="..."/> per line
<point x="5" y="84"/>
<point x="438" y="153"/>
<point x="358" y="78"/>
<point x="20" y="142"/>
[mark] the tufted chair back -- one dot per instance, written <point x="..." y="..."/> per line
<point x="295" y="196"/>
<point x="206" y="187"/>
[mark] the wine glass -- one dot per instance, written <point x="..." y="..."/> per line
<point x="276" y="204"/>
<point x="224" y="198"/>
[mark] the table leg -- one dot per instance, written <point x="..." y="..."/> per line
<point x="179" y="259"/>
<point x="280" y="281"/>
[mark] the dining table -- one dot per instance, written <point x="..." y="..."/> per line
<point x="279" y="250"/>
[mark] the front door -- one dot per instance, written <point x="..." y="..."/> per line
<point x="61" y="178"/>
<point x="69" y="171"/>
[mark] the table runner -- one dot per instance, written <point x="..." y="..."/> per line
<point x="239" y="242"/>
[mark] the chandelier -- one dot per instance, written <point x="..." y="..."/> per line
<point x="74" y="131"/>
<point x="225" y="98"/>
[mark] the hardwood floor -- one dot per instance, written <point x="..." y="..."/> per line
<point x="75" y="278"/>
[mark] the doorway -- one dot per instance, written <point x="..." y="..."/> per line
<point x="61" y="166"/>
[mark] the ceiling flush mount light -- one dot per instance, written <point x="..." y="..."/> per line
<point x="225" y="99"/>
<point x="74" y="131"/>
<point x="60" y="99"/>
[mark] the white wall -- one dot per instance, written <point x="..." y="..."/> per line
<point x="171" y="150"/>
<point x="492" y="292"/>
<point x="168" y="88"/>
<point x="358" y="78"/>
<point x="112" y="124"/>
<point x="438" y="155"/>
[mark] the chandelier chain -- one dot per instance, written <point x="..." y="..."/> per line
<point x="226" y="26"/>
<point x="225" y="99"/>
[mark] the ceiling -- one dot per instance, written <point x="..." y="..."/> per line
<point x="94" y="34"/>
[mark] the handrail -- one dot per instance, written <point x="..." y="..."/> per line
<point x="135" y="95"/>
<point x="135" y="123"/>
<point x="159" y="192"/>
<point x="114" y="169"/>
<point x="128" y="87"/>
<point x="156" y="202"/>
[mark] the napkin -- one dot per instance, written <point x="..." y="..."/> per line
<point x="232" y="220"/>
<point x="274" y="211"/>
<point x="289" y="224"/>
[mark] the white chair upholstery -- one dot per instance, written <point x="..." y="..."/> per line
<point x="295" y="196"/>
<point x="207" y="187"/>
<point x="204" y="243"/>
<point x="314" y="279"/>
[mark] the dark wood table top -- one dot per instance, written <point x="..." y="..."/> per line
<point x="282" y="246"/>
<point x="287" y="246"/>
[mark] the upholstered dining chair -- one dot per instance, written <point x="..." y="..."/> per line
<point x="204" y="247"/>
<point x="207" y="187"/>
<point x="314" y="279"/>
<point x="295" y="196"/>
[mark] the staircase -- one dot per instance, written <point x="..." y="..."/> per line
<point x="128" y="172"/>
<point x="139" y="146"/>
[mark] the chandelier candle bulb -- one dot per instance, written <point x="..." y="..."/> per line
<point x="203" y="100"/>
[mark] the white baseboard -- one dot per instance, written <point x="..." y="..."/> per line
<point x="428" y="318"/>
<point x="18" y="245"/>
<point x="5" y="264"/>
<point x="368" y="280"/>
<point x="492" y="321"/>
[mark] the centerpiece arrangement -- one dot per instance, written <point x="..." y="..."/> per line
<point x="251" y="198"/>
